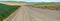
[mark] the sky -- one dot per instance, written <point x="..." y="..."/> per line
<point x="34" y="0"/>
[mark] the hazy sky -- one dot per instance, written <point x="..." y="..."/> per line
<point x="34" y="0"/>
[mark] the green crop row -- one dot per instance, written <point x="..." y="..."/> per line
<point x="6" y="10"/>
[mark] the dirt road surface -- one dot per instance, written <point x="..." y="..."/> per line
<point x="34" y="14"/>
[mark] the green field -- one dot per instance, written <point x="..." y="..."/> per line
<point x="46" y="5"/>
<point x="6" y="10"/>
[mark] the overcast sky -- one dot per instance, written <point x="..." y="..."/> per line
<point x="34" y="0"/>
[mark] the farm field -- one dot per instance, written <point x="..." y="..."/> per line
<point x="6" y="10"/>
<point x="27" y="13"/>
<point x="49" y="5"/>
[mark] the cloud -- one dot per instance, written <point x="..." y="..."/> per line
<point x="34" y="0"/>
<point x="39" y="0"/>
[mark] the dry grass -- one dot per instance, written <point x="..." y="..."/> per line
<point x="54" y="6"/>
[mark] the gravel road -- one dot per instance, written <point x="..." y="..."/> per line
<point x="34" y="14"/>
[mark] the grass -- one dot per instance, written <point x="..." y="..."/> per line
<point x="49" y="5"/>
<point x="6" y="10"/>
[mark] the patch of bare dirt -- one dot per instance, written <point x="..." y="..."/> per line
<point x="11" y="3"/>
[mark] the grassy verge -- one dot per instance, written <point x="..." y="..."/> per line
<point x="49" y="5"/>
<point x="6" y="10"/>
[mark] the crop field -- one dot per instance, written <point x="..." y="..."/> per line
<point x="6" y="10"/>
<point x="49" y="5"/>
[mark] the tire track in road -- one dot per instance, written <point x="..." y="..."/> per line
<point x="46" y="15"/>
<point x="34" y="14"/>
